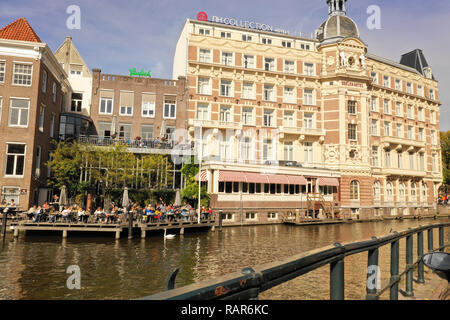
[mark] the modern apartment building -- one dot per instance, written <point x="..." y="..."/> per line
<point x="33" y="92"/>
<point x="286" y="120"/>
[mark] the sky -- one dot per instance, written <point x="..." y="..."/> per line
<point x="118" y="35"/>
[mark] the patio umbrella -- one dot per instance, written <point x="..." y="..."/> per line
<point x="162" y="133"/>
<point x="125" y="199"/>
<point x="178" y="198"/>
<point x="63" y="198"/>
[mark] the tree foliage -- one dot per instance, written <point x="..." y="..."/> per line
<point x="190" y="193"/>
<point x="445" y="146"/>
<point x="82" y="167"/>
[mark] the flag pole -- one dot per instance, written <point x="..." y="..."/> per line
<point x="200" y="173"/>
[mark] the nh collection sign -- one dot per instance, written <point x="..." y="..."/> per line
<point x="202" y="16"/>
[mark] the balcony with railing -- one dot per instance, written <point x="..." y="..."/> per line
<point x="139" y="145"/>
<point x="403" y="172"/>
<point x="395" y="141"/>
<point x="215" y="124"/>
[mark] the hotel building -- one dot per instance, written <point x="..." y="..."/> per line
<point x="289" y="124"/>
<point x="33" y="91"/>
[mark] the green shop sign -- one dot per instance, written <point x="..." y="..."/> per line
<point x="141" y="73"/>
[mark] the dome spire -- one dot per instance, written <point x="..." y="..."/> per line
<point x="336" y="7"/>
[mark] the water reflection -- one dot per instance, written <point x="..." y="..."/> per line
<point x="35" y="266"/>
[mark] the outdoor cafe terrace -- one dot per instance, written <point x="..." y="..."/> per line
<point x="139" y="145"/>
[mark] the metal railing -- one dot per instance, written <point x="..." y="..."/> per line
<point x="133" y="143"/>
<point x="250" y="282"/>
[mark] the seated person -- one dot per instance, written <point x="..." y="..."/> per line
<point x="81" y="213"/>
<point x="38" y="214"/>
<point x="31" y="212"/>
<point x="99" y="214"/>
<point x="65" y="213"/>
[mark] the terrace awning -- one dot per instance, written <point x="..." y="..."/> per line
<point x="232" y="176"/>
<point x="203" y="175"/>
<point x="253" y="177"/>
<point x="331" y="182"/>
<point x="256" y="177"/>
<point x="297" y="180"/>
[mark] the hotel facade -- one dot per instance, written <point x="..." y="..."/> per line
<point x="287" y="124"/>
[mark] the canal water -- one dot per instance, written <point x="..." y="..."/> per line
<point x="35" y="266"/>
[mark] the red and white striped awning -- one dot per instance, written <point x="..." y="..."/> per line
<point x="331" y="182"/>
<point x="253" y="177"/>
<point x="203" y="176"/>
<point x="297" y="180"/>
<point x="232" y="176"/>
<point x="278" y="179"/>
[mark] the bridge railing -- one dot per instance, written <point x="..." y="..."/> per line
<point x="248" y="283"/>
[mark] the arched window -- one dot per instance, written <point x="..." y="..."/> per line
<point x="424" y="191"/>
<point x="389" y="191"/>
<point x="401" y="192"/>
<point x="354" y="190"/>
<point x="413" y="192"/>
<point x="376" y="190"/>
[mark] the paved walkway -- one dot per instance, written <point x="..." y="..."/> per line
<point x="432" y="289"/>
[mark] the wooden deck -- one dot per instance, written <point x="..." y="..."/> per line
<point x="117" y="228"/>
<point x="65" y="227"/>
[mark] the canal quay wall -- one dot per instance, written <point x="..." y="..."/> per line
<point x="265" y="216"/>
<point x="222" y="219"/>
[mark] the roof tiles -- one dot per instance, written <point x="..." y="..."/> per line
<point x="19" y="30"/>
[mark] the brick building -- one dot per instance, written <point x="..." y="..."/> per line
<point x="287" y="120"/>
<point x="33" y="87"/>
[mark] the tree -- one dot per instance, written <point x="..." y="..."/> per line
<point x="445" y="146"/>
<point x="190" y="193"/>
<point x="65" y="167"/>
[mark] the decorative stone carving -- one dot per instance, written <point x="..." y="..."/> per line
<point x="343" y="59"/>
<point x="330" y="61"/>
<point x="331" y="154"/>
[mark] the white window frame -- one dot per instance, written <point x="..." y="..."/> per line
<point x="291" y="68"/>
<point x="269" y="92"/>
<point x="203" y="57"/>
<point x="106" y="106"/>
<point x="245" y="58"/>
<point x="245" y="117"/>
<point x="126" y="114"/>
<point x="308" y="150"/>
<point x="230" y="90"/>
<point x="201" y="107"/>
<point x="2" y="71"/>
<point x="289" y="98"/>
<point x="374" y="127"/>
<point x="171" y="106"/>
<point x="227" y="58"/>
<point x="269" y="115"/>
<point x="15" y="160"/>
<point x="44" y="81"/>
<point x="245" y="92"/>
<point x="54" y="92"/>
<point x="204" y="87"/>
<point x="271" y="65"/>
<point x="308" y="98"/>
<point x="309" y="69"/>
<point x="30" y="75"/>
<point x="20" y="113"/>
<point x="149" y="107"/>
<point x="41" y="118"/>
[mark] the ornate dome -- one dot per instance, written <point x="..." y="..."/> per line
<point x="338" y="25"/>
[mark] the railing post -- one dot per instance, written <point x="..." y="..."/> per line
<point x="394" y="269"/>
<point x="409" y="264"/>
<point x="337" y="278"/>
<point x="430" y="240"/>
<point x="441" y="239"/>
<point x="372" y="266"/>
<point x="420" y="278"/>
